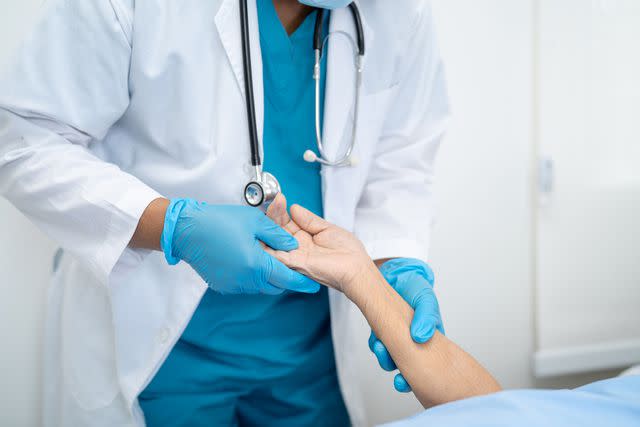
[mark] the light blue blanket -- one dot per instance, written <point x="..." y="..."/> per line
<point x="614" y="402"/>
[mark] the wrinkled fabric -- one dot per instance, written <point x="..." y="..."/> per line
<point x="108" y="105"/>
<point x="614" y="402"/>
<point x="258" y="359"/>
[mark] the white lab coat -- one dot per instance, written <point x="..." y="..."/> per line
<point x="110" y="104"/>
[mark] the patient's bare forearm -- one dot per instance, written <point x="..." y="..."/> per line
<point x="438" y="371"/>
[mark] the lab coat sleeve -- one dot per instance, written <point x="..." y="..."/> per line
<point x="614" y="402"/>
<point x="395" y="212"/>
<point x="63" y="90"/>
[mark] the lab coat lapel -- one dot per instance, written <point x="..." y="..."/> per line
<point x="228" y="24"/>
<point x="340" y="84"/>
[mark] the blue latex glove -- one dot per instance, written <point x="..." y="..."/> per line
<point x="413" y="280"/>
<point x="327" y="4"/>
<point x="222" y="244"/>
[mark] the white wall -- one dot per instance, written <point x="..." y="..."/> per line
<point x="25" y="264"/>
<point x="482" y="250"/>
<point x="588" y="234"/>
<point x="482" y="247"/>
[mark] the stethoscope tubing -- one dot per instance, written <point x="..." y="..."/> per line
<point x="256" y="161"/>
<point x="346" y="159"/>
<point x="265" y="186"/>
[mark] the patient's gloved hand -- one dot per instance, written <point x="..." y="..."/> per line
<point x="225" y="246"/>
<point x="413" y="280"/>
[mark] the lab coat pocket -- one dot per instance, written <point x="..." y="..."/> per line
<point x="88" y="344"/>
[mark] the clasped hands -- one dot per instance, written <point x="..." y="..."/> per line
<point x="335" y="257"/>
<point x="237" y="249"/>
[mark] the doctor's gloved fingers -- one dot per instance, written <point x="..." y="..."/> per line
<point x="281" y="276"/>
<point x="267" y="289"/>
<point x="275" y="236"/>
<point x="380" y="351"/>
<point x="401" y="384"/>
<point x="426" y="318"/>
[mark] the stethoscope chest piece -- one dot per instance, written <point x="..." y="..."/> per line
<point x="261" y="192"/>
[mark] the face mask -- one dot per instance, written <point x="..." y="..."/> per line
<point x="327" y="4"/>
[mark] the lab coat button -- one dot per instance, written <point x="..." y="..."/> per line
<point x="163" y="337"/>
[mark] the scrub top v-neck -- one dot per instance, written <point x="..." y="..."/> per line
<point x="289" y="104"/>
<point x="263" y="359"/>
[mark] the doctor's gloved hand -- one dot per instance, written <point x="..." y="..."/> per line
<point x="223" y="244"/>
<point x="413" y="280"/>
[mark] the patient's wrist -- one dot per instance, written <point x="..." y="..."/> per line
<point x="359" y="287"/>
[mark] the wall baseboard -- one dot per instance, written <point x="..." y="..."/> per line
<point x="579" y="359"/>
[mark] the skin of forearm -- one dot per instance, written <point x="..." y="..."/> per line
<point x="438" y="371"/>
<point x="149" y="229"/>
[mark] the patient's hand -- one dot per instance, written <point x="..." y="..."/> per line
<point x="438" y="371"/>
<point x="328" y="254"/>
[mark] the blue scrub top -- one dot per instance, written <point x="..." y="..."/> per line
<point x="246" y="350"/>
<point x="270" y="335"/>
<point x="289" y="119"/>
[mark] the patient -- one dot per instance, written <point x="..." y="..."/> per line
<point x="438" y="371"/>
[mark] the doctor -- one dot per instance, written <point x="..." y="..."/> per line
<point x="123" y="135"/>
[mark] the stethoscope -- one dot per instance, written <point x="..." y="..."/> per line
<point x="264" y="188"/>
